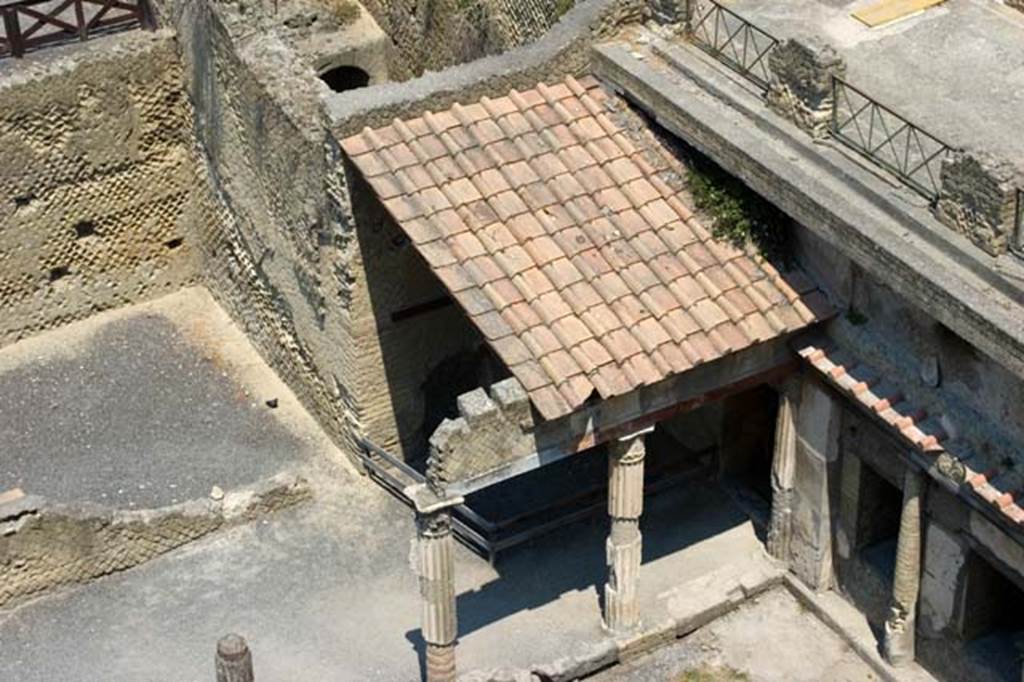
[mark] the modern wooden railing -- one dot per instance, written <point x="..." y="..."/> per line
<point x="27" y="25"/>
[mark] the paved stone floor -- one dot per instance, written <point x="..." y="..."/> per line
<point x="144" y="407"/>
<point x="926" y="67"/>
<point x="772" y="638"/>
<point x="325" y="592"/>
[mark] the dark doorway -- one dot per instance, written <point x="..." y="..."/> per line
<point x="342" y="78"/>
<point x="746" y="448"/>
<point x="992" y="626"/>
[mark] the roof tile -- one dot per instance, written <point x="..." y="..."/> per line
<point x="573" y="252"/>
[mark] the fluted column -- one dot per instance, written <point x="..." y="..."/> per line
<point x="900" y="627"/>
<point x="434" y="563"/>
<point x="783" y="465"/>
<point x="624" y="545"/>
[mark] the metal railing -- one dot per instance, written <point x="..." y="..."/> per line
<point x="732" y="40"/>
<point x="1017" y="239"/>
<point x="31" y="24"/>
<point x="887" y="139"/>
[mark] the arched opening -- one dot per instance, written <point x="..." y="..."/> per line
<point x="342" y="78"/>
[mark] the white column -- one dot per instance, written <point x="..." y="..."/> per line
<point x="783" y="463"/>
<point x="900" y="627"/>
<point x="434" y="563"/>
<point x="624" y="545"/>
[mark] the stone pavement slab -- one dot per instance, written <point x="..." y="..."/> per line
<point x="771" y="638"/>
<point x="144" y="407"/>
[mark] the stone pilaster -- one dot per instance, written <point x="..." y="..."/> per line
<point x="783" y="462"/>
<point x="801" y="83"/>
<point x="816" y="454"/>
<point x="434" y="563"/>
<point x="978" y="198"/>
<point x="901" y="624"/>
<point x="624" y="545"/>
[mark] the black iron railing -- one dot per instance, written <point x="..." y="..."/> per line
<point x="887" y="139"/>
<point x="732" y="40"/>
<point x="1017" y="242"/>
<point x="31" y="24"/>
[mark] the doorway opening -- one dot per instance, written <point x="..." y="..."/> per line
<point x="342" y="78"/>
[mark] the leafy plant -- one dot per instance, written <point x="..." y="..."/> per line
<point x="740" y="216"/>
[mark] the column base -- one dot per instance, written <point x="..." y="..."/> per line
<point x="441" y="662"/>
<point x="898" y="645"/>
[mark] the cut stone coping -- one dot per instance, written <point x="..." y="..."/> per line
<point x="43" y="545"/>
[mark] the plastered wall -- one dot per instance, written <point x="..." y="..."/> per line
<point x="96" y="179"/>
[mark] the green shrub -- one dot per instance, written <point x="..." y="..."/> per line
<point x="739" y="215"/>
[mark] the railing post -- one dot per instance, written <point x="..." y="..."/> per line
<point x="13" y="29"/>
<point x="83" y="27"/>
<point x="146" y="15"/>
<point x="234" y="660"/>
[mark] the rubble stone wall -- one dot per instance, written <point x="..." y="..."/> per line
<point x="96" y="177"/>
<point x="276" y="235"/>
<point x="430" y="35"/>
<point x="44" y="546"/>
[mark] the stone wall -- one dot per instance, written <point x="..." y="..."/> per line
<point x="97" y="173"/>
<point x="430" y="35"/>
<point x="276" y="236"/>
<point x="43" y="545"/>
<point x="494" y="428"/>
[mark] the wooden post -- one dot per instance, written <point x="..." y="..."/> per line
<point x="13" y="30"/>
<point x="234" y="661"/>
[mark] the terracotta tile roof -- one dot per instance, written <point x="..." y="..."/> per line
<point x="594" y="273"/>
<point x="998" y="486"/>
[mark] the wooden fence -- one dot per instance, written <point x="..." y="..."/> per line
<point x="32" y="24"/>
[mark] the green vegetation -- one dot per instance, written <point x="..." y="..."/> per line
<point x="712" y="673"/>
<point x="740" y="215"/>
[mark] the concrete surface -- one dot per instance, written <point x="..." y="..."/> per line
<point x="954" y="69"/>
<point x="144" y="407"/>
<point x="771" y="637"/>
<point x="325" y="592"/>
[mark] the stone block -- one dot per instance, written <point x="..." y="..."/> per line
<point x="977" y="198"/>
<point x="476" y="407"/>
<point x="801" y="83"/>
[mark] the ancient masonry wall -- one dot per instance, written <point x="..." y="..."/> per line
<point x="276" y="236"/>
<point x="43" y="545"/>
<point x="96" y="174"/>
<point x="430" y="36"/>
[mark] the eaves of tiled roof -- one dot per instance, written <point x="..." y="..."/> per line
<point x="580" y="264"/>
<point x="999" y="487"/>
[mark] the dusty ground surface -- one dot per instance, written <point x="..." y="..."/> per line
<point x="146" y="406"/>
<point x="324" y="592"/>
<point x="772" y="638"/>
<point x="925" y="66"/>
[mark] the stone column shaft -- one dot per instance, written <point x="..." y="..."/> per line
<point x="624" y="545"/>
<point x="901" y="625"/>
<point x="433" y="560"/>
<point x="783" y="464"/>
